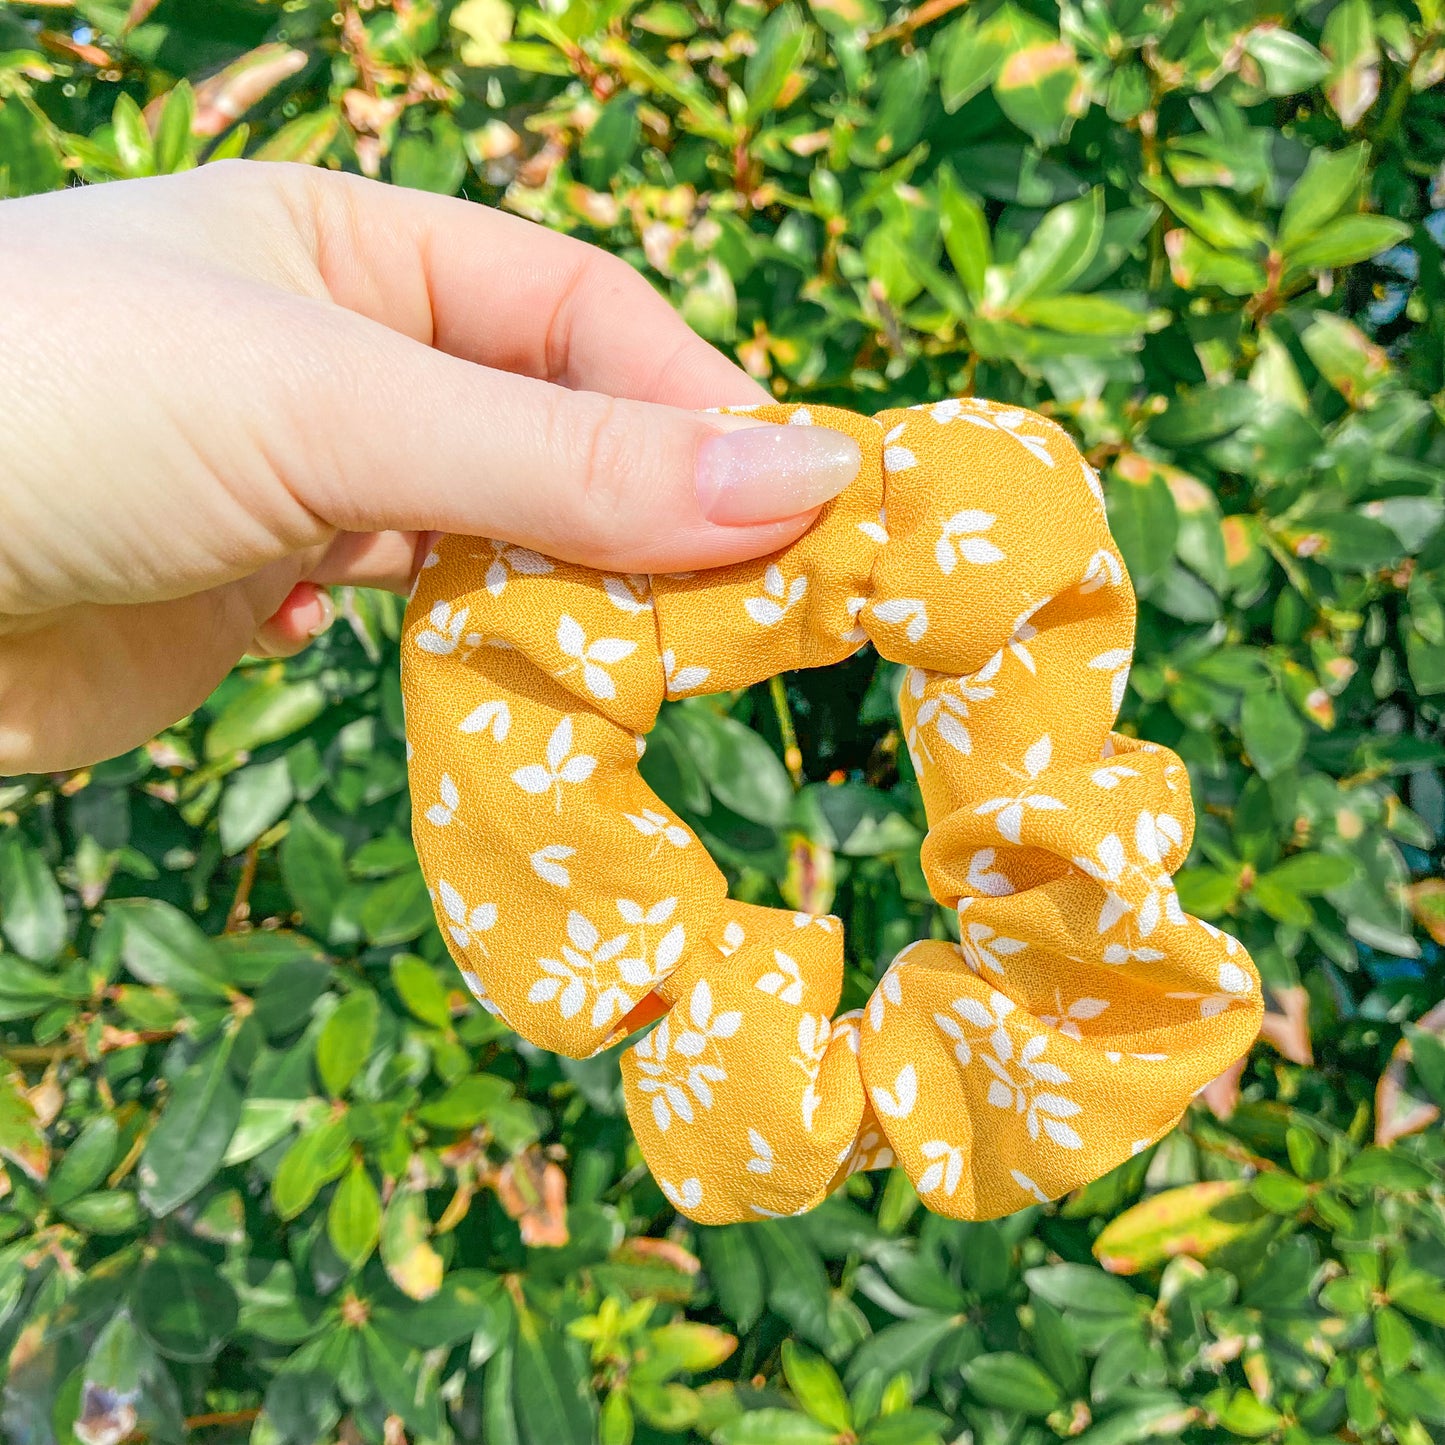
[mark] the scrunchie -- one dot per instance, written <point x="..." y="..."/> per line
<point x="1081" y="1009"/>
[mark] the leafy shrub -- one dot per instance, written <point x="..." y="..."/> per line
<point x="269" y="1175"/>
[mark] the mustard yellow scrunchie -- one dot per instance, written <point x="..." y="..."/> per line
<point x="1082" y="1008"/>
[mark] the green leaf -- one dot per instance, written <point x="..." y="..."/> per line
<point x="1421" y="1295"/>
<point x="262" y="1123"/>
<point x="972" y="54"/>
<point x="1245" y="1415"/>
<point x="1351" y="541"/>
<point x="734" y="1271"/>
<point x="1195" y="267"/>
<point x="797" y="1283"/>
<point x="431" y="157"/>
<point x="815" y="1384"/>
<point x="185" y="1148"/>
<point x="86" y="1162"/>
<point x="1273" y="733"/>
<point x="1061" y="246"/>
<point x="1083" y="316"/>
<point x="109" y="1211"/>
<point x="899" y="113"/>
<point x="254" y="799"/>
<point x="132" y="137"/>
<point x="1194" y="1219"/>
<point x="1039" y="80"/>
<point x="499" y="1418"/>
<point x="1280" y="1193"/>
<point x="1329" y="181"/>
<point x="412" y="1265"/>
<point x="554" y="1401"/>
<point x="398" y="910"/>
<point x="1353" y="364"/>
<point x="1166" y="1416"/>
<point x="30" y="161"/>
<point x="775" y="1427"/>
<point x="1415" y="1397"/>
<point x="907" y="1427"/>
<point x="1387" y="1169"/>
<point x="184" y="1304"/>
<point x="467" y="1102"/>
<point x="32" y="907"/>
<point x="611" y="140"/>
<point x="965" y="234"/>
<point x="1348" y="41"/>
<point x="26" y="990"/>
<point x="174" y="147"/>
<point x="421" y="990"/>
<point x="1289" y="62"/>
<point x="1144" y="519"/>
<point x="394" y="1388"/>
<point x="1281" y="902"/>
<point x="1204" y="415"/>
<point x="22" y="1141"/>
<point x="1012" y="1382"/>
<point x="1080" y="1287"/>
<point x="1312" y="873"/>
<point x="742" y="771"/>
<point x="782" y="42"/>
<point x="304" y="140"/>
<point x="1347" y="240"/>
<point x="353" y="1220"/>
<point x="284" y="1001"/>
<point x="344" y="1042"/>
<point x="312" y="1162"/>
<point x="1206" y="892"/>
<point x="470" y="1303"/>
<point x="264" y="712"/>
<point x="161" y="946"/>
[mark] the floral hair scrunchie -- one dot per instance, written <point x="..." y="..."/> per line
<point x="1082" y="1008"/>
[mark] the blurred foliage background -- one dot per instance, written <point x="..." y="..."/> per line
<point x="270" y="1176"/>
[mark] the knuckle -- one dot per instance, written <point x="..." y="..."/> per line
<point x="607" y="466"/>
<point x="595" y="279"/>
<point x="631" y="478"/>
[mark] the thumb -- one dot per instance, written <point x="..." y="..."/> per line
<point x="414" y="439"/>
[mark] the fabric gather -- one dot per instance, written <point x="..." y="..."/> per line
<point x="1081" y="1009"/>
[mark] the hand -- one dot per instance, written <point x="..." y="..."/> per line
<point x="227" y="389"/>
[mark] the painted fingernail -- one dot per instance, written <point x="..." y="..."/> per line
<point x="325" y="613"/>
<point x="764" y="473"/>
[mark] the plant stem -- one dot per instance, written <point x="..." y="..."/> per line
<point x="792" y="754"/>
<point x="915" y="20"/>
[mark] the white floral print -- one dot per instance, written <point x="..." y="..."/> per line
<point x="778" y="599"/>
<point x="447" y="631"/>
<point x="594" y="658"/>
<point x="1009" y="810"/>
<point x="962" y="538"/>
<point x="466" y="925"/>
<point x="507" y="559"/>
<point x="562" y="765"/>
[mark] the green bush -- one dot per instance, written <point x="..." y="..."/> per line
<point x="269" y="1175"/>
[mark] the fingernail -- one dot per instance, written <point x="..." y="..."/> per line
<point x="764" y="473"/>
<point x="325" y="614"/>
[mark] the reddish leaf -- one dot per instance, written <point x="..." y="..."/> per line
<point x="1289" y="1029"/>
<point x="1196" y="1220"/>
<point x="230" y="93"/>
<point x="1221" y="1093"/>
<point x="1399" y="1110"/>
<point x="533" y="1191"/>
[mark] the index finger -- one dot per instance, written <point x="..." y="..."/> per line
<point x="507" y="293"/>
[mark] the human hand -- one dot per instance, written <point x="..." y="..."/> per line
<point x="231" y="388"/>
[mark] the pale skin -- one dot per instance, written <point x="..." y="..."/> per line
<point x="229" y="390"/>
